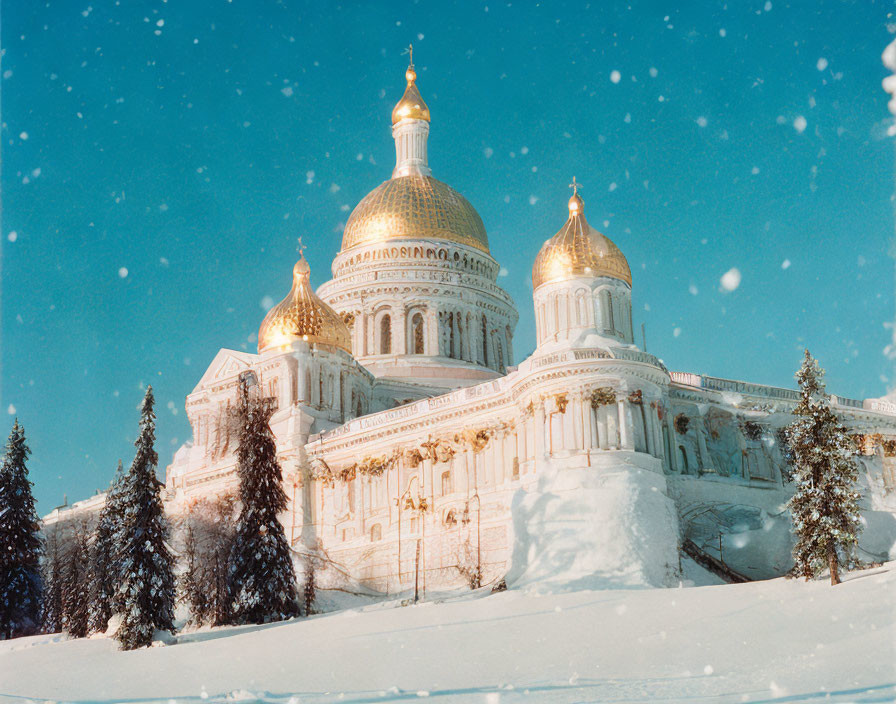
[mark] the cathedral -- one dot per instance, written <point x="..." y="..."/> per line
<point x="417" y="451"/>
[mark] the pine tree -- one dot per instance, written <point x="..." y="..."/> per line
<point x="262" y="577"/>
<point x="104" y="561"/>
<point x="191" y="582"/>
<point x="145" y="595"/>
<point x="76" y="583"/>
<point x="51" y="614"/>
<point x="20" y="543"/>
<point x="309" y="588"/>
<point x="825" y="507"/>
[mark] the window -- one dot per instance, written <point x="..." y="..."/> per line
<point x="376" y="532"/>
<point x="607" y="304"/>
<point x="417" y="329"/>
<point x="450" y="518"/>
<point x="516" y="467"/>
<point x="484" y="341"/>
<point x="386" y="335"/>
<point x="684" y="459"/>
<point x="452" y="343"/>
<point x="447" y="484"/>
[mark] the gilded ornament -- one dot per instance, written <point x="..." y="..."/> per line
<point x="604" y="396"/>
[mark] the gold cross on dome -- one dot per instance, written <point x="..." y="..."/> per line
<point x="410" y="52"/>
<point x="300" y="248"/>
<point x="575" y="186"/>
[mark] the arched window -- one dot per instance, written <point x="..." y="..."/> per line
<point x="500" y="356"/>
<point x="376" y="532"/>
<point x="484" y="341"/>
<point x="684" y="459"/>
<point x="386" y="335"/>
<point x="417" y="330"/>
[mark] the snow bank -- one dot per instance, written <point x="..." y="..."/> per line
<point x="598" y="527"/>
<point x="733" y="643"/>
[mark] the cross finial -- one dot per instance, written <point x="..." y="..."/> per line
<point x="300" y="248"/>
<point x="575" y="186"/>
<point x="411" y="54"/>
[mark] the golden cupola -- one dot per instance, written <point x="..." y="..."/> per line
<point x="411" y="106"/>
<point x="302" y="316"/>
<point x="412" y="204"/>
<point x="579" y="250"/>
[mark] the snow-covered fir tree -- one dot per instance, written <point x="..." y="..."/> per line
<point x="145" y="595"/>
<point x="20" y="542"/>
<point x="104" y="555"/>
<point x="53" y="570"/>
<point x="76" y="583"/>
<point x="825" y="507"/>
<point x="262" y="577"/>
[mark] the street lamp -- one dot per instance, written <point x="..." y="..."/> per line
<point x="477" y="576"/>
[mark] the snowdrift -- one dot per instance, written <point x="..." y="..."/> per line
<point x="594" y="528"/>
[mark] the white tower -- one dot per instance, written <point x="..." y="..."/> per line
<point x="415" y="280"/>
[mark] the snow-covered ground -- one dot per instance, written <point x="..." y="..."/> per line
<point x="779" y="640"/>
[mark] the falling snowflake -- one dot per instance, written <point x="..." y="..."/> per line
<point x="731" y="279"/>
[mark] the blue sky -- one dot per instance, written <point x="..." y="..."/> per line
<point x="161" y="158"/>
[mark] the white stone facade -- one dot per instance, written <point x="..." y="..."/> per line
<point x="425" y="456"/>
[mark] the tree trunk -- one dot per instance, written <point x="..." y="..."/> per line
<point x="832" y="565"/>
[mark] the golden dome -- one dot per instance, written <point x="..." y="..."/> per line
<point x="414" y="207"/>
<point x="411" y="104"/>
<point x="303" y="316"/>
<point x="579" y="250"/>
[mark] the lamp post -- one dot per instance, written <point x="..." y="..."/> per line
<point x="477" y="578"/>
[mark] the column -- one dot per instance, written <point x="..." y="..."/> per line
<point x="578" y="422"/>
<point x="603" y="441"/>
<point x="539" y="434"/>
<point x="649" y="439"/>
<point x="625" y="440"/>
<point x="500" y="462"/>
<point x="400" y="332"/>
<point x="705" y="460"/>
<point x="370" y="327"/>
<point x="432" y="332"/>
<point x="587" y="426"/>
<point x="673" y="455"/>
<point x="657" y="432"/>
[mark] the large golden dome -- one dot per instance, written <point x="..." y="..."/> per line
<point x="303" y="316"/>
<point x="579" y="250"/>
<point x="414" y="207"/>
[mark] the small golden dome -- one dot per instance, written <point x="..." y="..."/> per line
<point x="579" y="250"/>
<point x="303" y="316"/>
<point x="414" y="207"/>
<point x="411" y="104"/>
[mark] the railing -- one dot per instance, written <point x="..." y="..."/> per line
<point x="713" y="383"/>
